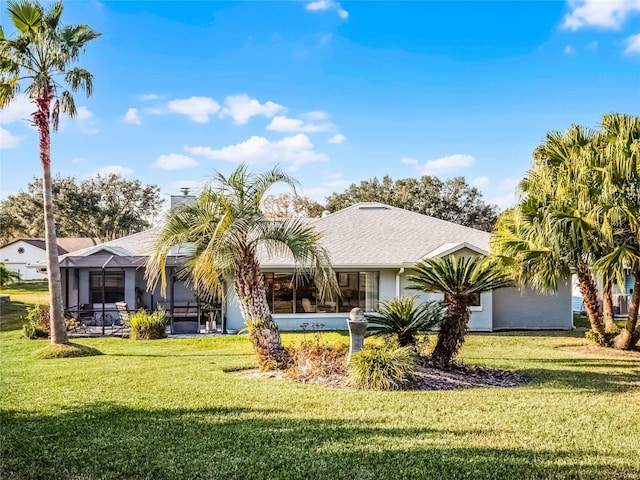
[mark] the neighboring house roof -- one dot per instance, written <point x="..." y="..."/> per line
<point x="363" y="235"/>
<point x="377" y="235"/>
<point x="65" y="244"/>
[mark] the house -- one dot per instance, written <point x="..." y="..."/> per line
<point x="18" y="254"/>
<point x="373" y="249"/>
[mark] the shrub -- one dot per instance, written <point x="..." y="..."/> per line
<point x="384" y="368"/>
<point x="603" y="339"/>
<point x="148" y="326"/>
<point x="36" y="322"/>
<point x="309" y="361"/>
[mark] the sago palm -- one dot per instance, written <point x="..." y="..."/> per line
<point x="221" y="235"/>
<point x="39" y="59"/>
<point x="460" y="280"/>
<point x="403" y="318"/>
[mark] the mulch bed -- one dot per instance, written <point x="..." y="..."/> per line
<point x="460" y="376"/>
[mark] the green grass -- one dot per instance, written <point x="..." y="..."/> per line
<point x="165" y="409"/>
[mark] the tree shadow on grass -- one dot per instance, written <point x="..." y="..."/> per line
<point x="106" y="441"/>
<point x="11" y="315"/>
<point x="579" y="374"/>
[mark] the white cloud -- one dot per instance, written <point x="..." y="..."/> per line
<point x="446" y="164"/>
<point x="113" y="169"/>
<point x="509" y="184"/>
<point x="78" y="160"/>
<point x="409" y="161"/>
<point x="593" y="46"/>
<point x="297" y="149"/>
<point x="86" y="121"/>
<point x="295" y="125"/>
<point x="152" y="111"/>
<point x="633" y="45"/>
<point x="8" y="140"/>
<point x="323" y="5"/>
<point x="337" y="138"/>
<point x="241" y="108"/>
<point x="175" y="161"/>
<point x="504" y="201"/>
<point x="197" y="109"/>
<point x="150" y="96"/>
<point x="480" y="182"/>
<point x="599" y="13"/>
<point x="568" y="50"/>
<point x="315" y="116"/>
<point x="20" y="108"/>
<point x="132" y="116"/>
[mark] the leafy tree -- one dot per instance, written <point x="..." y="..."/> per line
<point x="402" y="318"/>
<point x="453" y="200"/>
<point x="221" y="234"/>
<point x="460" y="280"/>
<point x="8" y="276"/>
<point x="40" y="58"/>
<point x="286" y="205"/>
<point x="104" y="207"/>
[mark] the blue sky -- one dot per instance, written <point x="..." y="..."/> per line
<point x="334" y="92"/>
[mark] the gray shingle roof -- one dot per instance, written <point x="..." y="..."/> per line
<point x="374" y="234"/>
<point x="366" y="234"/>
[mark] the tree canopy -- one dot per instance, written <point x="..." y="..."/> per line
<point x="104" y="207"/>
<point x="453" y="199"/>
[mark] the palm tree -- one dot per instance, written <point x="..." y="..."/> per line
<point x="404" y="319"/>
<point x="222" y="233"/>
<point x="618" y="213"/>
<point x="40" y="57"/>
<point x="550" y="232"/>
<point x="461" y="280"/>
<point x="8" y="276"/>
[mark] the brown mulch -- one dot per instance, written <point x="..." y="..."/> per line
<point x="593" y="349"/>
<point x="467" y="376"/>
<point x="460" y="376"/>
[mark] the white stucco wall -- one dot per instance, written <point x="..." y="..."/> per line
<point x="18" y="261"/>
<point x="526" y="309"/>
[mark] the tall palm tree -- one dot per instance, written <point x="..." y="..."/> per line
<point x="223" y="232"/>
<point x="618" y="213"/>
<point x="40" y="58"/>
<point x="550" y="232"/>
<point x="460" y="280"/>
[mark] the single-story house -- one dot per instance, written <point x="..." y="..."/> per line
<point x="19" y="254"/>
<point x="373" y="249"/>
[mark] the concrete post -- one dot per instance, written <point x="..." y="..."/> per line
<point x="357" y="329"/>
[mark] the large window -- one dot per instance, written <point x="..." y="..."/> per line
<point x="113" y="287"/>
<point x="357" y="289"/>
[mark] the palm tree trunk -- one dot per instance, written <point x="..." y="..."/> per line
<point x="630" y="335"/>
<point x="607" y="306"/>
<point x="250" y="289"/>
<point x="589" y="293"/>
<point x="41" y="119"/>
<point x="451" y="334"/>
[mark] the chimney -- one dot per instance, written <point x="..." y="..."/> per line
<point x="185" y="191"/>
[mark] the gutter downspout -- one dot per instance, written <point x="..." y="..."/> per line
<point x="400" y="272"/>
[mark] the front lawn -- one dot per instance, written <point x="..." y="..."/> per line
<point x="168" y="409"/>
